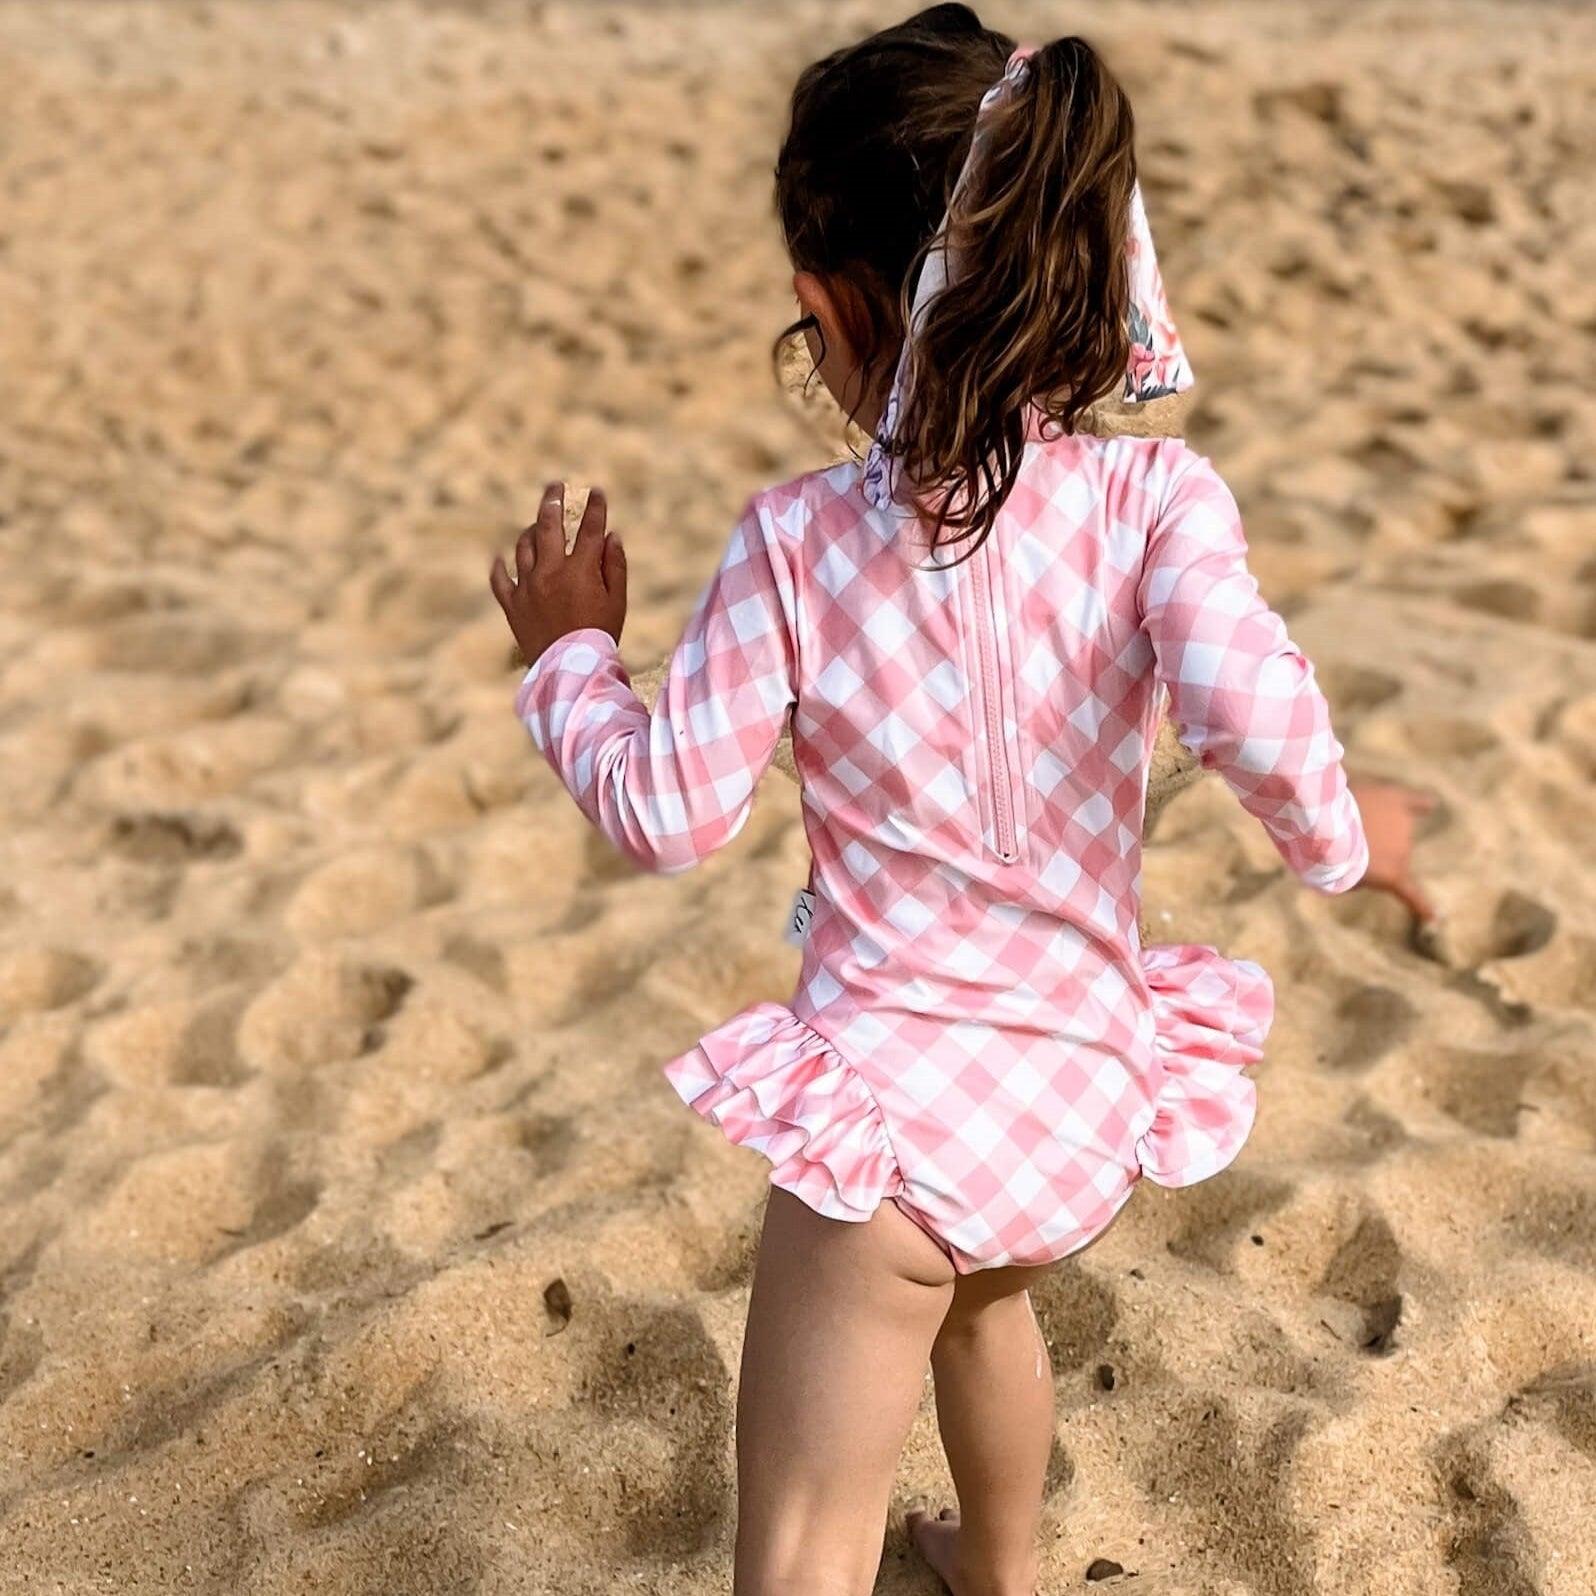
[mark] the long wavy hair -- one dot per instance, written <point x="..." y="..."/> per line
<point x="1037" y="326"/>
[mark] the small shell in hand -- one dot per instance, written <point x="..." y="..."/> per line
<point x="576" y="495"/>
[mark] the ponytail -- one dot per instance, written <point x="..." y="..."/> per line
<point x="1037" y="322"/>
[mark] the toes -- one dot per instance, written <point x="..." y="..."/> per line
<point x="936" y="1539"/>
<point x="926" y="1527"/>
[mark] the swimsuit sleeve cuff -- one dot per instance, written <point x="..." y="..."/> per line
<point x="1334" y="879"/>
<point x="587" y="650"/>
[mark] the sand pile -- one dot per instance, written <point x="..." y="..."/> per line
<point x="349" y="1239"/>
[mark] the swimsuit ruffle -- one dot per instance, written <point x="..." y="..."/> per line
<point x="1212" y="1015"/>
<point x="771" y="1083"/>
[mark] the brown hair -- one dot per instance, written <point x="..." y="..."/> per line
<point x="1039" y="317"/>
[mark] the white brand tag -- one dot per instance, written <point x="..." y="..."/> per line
<point x="799" y="918"/>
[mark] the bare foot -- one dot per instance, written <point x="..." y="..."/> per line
<point x="938" y="1542"/>
<point x="936" y="1539"/>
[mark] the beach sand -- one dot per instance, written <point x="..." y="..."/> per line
<point x="350" y="1240"/>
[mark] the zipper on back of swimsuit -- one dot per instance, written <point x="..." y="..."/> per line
<point x="996" y="771"/>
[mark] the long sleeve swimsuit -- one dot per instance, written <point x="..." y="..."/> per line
<point x="977" y="1032"/>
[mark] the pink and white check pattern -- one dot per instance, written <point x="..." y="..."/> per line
<point x="981" y="1039"/>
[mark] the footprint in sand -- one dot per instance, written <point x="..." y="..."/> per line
<point x="194" y="766"/>
<point x="1224" y="1477"/>
<point x="176" y="837"/>
<point x="424" y="1458"/>
<point x="1481" y="1089"/>
<point x="434" y="1040"/>
<point x="39" y="1061"/>
<point x="1216" y="1216"/>
<point x="1558" y="1220"/>
<point x="1433" y="738"/>
<point x="1573" y="728"/>
<point x="1369" y="1022"/>
<point x="34" y="980"/>
<point x="1377" y="1133"/>
<point x="481" y="959"/>
<point x="1355" y="690"/>
<point x="177" y="645"/>
<point x="1510" y="600"/>
<point x="189" y="1203"/>
<point x="1362" y="1305"/>
<point x="1564" y="1397"/>
<point x="362" y="891"/>
<point x="179" y="1043"/>
<point x="411" y="605"/>
<point x="1494" y="928"/>
<point x="1559" y="974"/>
<point x="1520" y="926"/>
<point x="283" y="1201"/>
<point x="110" y="711"/>
<point x="323" y="1010"/>
<point x="1261" y="1354"/>
<point x="642" y="1364"/>
<point x="1487" y="1544"/>
<point x="549" y="1140"/>
<point x="21" y="1352"/>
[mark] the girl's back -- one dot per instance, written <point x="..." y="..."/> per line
<point x="973" y="735"/>
<point x="986" y="720"/>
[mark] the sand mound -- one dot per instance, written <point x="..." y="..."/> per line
<point x="349" y="1240"/>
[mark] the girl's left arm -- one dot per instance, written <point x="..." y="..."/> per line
<point x="1243" y="696"/>
<point x="670" y="786"/>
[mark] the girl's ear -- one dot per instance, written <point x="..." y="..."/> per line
<point x="836" y="306"/>
<point x="816" y="298"/>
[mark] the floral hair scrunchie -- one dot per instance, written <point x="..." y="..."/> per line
<point x="1158" y="366"/>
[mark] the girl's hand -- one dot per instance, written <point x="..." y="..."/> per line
<point x="553" y="592"/>
<point x="1389" y="816"/>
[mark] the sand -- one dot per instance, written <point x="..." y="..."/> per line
<point x="349" y="1238"/>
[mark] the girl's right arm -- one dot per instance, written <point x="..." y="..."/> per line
<point x="669" y="786"/>
<point x="1242" y="694"/>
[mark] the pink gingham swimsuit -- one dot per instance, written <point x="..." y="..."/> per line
<point x="977" y="1033"/>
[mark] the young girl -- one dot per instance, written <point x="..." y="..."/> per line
<point x="974" y="631"/>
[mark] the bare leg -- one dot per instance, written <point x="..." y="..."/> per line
<point x="840" y="1326"/>
<point x="995" y="1410"/>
